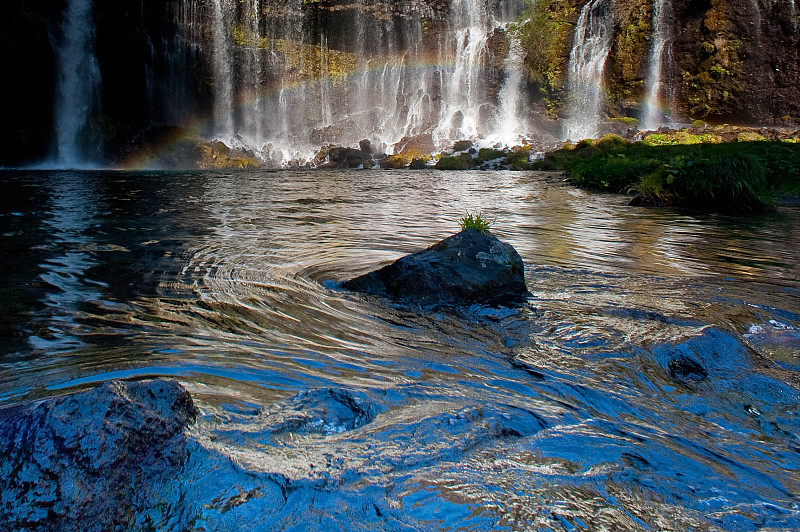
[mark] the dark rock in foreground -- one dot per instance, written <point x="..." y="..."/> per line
<point x="91" y="460"/>
<point x="469" y="267"/>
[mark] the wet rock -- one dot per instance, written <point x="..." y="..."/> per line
<point x="645" y="201"/>
<point x="343" y="157"/>
<point x="685" y="369"/>
<point x="462" y="145"/>
<point x="91" y="460"/>
<point x="469" y="267"/>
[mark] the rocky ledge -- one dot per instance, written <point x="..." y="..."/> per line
<point x="91" y="460"/>
<point x="468" y="267"/>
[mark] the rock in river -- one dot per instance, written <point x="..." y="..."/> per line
<point x="468" y="267"/>
<point x="91" y="460"/>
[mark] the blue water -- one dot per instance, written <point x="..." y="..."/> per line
<point x="651" y="382"/>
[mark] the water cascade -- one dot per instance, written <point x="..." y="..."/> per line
<point x="510" y="125"/>
<point x="223" y="76"/>
<point x="460" y="116"/>
<point x="282" y="88"/>
<point x="78" y="81"/>
<point x="587" y="60"/>
<point x="653" y="117"/>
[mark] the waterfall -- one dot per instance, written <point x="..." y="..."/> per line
<point x="299" y="85"/>
<point x="509" y="125"/>
<point x="585" y="71"/>
<point x="462" y="98"/>
<point x="653" y="117"/>
<point x="223" y="76"/>
<point x="78" y="81"/>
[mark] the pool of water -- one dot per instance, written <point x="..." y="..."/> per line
<point x="651" y="381"/>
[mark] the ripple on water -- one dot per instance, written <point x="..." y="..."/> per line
<point x="650" y="382"/>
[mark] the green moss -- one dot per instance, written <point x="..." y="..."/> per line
<point x="750" y="136"/>
<point x="315" y="62"/>
<point x="680" y="137"/>
<point x="629" y="49"/>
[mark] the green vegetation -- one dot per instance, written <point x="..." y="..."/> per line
<point x="476" y="221"/>
<point x="543" y="32"/>
<point x="489" y="154"/>
<point x="519" y="158"/>
<point x="462" y="161"/>
<point x="683" y="169"/>
<point x="629" y="49"/>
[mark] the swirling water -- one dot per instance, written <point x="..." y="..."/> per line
<point x="649" y="383"/>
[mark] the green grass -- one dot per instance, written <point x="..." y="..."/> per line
<point x="475" y="220"/>
<point x="712" y="176"/>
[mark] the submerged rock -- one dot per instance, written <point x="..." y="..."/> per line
<point x="92" y="460"/>
<point x="468" y="267"/>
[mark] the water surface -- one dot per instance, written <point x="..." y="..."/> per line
<point x="650" y="382"/>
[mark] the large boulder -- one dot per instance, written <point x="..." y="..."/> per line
<point x="92" y="460"/>
<point x="468" y="267"/>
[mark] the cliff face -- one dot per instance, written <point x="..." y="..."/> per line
<point x="722" y="60"/>
<point x="737" y="61"/>
<point x="277" y="77"/>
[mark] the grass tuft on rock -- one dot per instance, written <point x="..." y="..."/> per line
<point x="475" y="220"/>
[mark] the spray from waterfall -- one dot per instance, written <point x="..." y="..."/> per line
<point x="653" y="117"/>
<point x="78" y="81"/>
<point x="585" y="72"/>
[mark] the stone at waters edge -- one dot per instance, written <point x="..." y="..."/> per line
<point x="91" y="460"/>
<point x="468" y="267"/>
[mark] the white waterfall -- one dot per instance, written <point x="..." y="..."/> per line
<point x="510" y="127"/>
<point x="78" y="80"/>
<point x="223" y="76"/>
<point x="585" y="72"/>
<point x="463" y="93"/>
<point x="297" y="87"/>
<point x="653" y="117"/>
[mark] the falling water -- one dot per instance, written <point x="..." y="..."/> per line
<point x="223" y="79"/>
<point x="586" y="63"/>
<point x="510" y="125"/>
<point x="78" y="79"/>
<point x="460" y="114"/>
<point x="297" y="88"/>
<point x="653" y="117"/>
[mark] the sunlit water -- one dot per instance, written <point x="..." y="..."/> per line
<point x="649" y="383"/>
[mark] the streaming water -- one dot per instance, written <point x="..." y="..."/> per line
<point x="653" y="113"/>
<point x="78" y="77"/>
<point x="587" y="62"/>
<point x="649" y="382"/>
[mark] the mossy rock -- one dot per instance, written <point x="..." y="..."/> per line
<point x="418" y="163"/>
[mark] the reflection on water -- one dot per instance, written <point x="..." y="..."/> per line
<point x="651" y="382"/>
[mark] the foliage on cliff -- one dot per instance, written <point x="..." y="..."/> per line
<point x="629" y="51"/>
<point x="686" y="169"/>
<point x="712" y="77"/>
<point x="544" y="31"/>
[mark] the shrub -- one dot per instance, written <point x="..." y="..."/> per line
<point x="459" y="162"/>
<point x="488" y="154"/>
